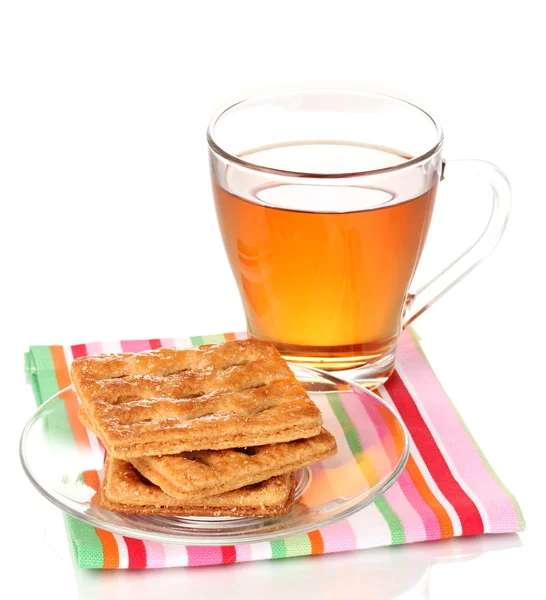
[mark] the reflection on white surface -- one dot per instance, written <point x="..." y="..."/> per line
<point x="430" y="570"/>
<point x="379" y="574"/>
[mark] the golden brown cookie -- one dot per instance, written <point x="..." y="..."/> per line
<point x="202" y="473"/>
<point x="237" y="394"/>
<point x="125" y="490"/>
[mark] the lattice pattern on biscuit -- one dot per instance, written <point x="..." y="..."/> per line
<point x="212" y="397"/>
<point x="170" y="361"/>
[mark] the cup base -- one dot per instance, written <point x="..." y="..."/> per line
<point x="369" y="375"/>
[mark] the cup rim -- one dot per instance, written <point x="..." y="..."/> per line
<point x="217" y="149"/>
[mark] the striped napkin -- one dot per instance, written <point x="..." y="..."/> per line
<point x="448" y="488"/>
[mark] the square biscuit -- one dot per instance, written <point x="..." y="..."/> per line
<point x="191" y="475"/>
<point x="233" y="395"/>
<point x="125" y="490"/>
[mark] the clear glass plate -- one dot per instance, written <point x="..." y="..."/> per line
<point x="63" y="461"/>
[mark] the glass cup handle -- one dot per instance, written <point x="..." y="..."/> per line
<point x="418" y="301"/>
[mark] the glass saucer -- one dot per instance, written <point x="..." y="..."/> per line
<point x="63" y="461"/>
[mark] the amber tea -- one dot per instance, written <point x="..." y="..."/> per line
<point x="323" y="271"/>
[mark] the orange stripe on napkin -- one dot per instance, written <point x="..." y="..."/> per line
<point x="109" y="549"/>
<point x="446" y="526"/>
<point x="91" y="478"/>
<point x="317" y="544"/>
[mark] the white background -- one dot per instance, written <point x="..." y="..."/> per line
<point x="108" y="231"/>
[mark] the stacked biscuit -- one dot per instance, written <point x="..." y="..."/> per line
<point x="215" y="430"/>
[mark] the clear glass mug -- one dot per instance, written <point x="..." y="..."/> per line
<point x="324" y="200"/>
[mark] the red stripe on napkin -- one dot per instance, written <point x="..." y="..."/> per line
<point x="137" y="553"/>
<point x="467" y="511"/>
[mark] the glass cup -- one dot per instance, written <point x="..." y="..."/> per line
<point x="324" y="200"/>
